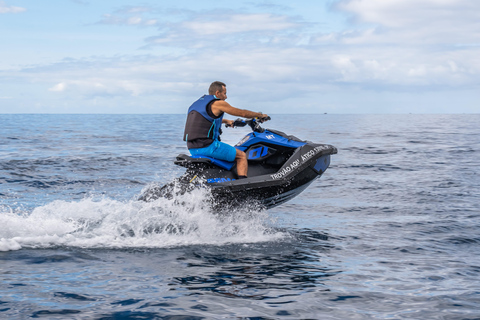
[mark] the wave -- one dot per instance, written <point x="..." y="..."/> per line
<point x="108" y="223"/>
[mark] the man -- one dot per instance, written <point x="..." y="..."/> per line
<point x="203" y="127"/>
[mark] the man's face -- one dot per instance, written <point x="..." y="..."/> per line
<point x="222" y="95"/>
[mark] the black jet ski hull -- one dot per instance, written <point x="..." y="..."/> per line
<point x="272" y="188"/>
<point x="269" y="195"/>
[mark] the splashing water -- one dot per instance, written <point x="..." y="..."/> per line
<point x="183" y="220"/>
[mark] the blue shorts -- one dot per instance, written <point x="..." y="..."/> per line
<point x="217" y="150"/>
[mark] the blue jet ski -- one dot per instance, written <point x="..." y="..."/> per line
<point x="280" y="167"/>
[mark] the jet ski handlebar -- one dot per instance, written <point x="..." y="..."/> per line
<point x="254" y="123"/>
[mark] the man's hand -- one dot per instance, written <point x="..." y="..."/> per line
<point x="228" y="123"/>
<point x="263" y="118"/>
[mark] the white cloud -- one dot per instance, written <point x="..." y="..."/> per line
<point x="237" y="23"/>
<point x="228" y="30"/>
<point x="402" y="13"/>
<point x="128" y="20"/>
<point x="150" y="22"/>
<point x="136" y="10"/>
<point x="132" y="16"/>
<point x="59" y="87"/>
<point x="4" y="8"/>
<point x="134" y="20"/>
<point x="265" y="68"/>
<point x="417" y="21"/>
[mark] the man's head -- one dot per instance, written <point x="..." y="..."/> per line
<point x="219" y="89"/>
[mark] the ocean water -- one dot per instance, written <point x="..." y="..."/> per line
<point x="390" y="231"/>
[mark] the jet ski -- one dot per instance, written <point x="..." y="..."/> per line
<point x="280" y="167"/>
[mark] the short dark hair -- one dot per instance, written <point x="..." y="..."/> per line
<point x="216" y="86"/>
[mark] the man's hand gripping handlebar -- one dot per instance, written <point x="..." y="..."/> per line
<point x="243" y="122"/>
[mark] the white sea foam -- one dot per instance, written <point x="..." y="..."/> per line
<point x="108" y="223"/>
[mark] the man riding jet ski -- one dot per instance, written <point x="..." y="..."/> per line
<point x="280" y="166"/>
<point x="203" y="127"/>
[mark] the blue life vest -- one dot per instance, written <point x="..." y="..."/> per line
<point x="200" y="125"/>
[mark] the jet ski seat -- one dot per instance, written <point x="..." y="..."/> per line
<point x="192" y="161"/>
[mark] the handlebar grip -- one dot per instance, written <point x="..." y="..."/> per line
<point x="264" y="119"/>
<point x="239" y="123"/>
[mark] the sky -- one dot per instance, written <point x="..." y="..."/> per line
<point x="311" y="56"/>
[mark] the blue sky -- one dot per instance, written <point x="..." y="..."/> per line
<point x="334" y="56"/>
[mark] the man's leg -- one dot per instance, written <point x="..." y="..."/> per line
<point x="242" y="163"/>
<point x="222" y="151"/>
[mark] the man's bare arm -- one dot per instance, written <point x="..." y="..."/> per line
<point x="222" y="106"/>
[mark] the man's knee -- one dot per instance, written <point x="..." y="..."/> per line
<point x="241" y="155"/>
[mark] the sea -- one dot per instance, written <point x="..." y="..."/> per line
<point x="390" y="231"/>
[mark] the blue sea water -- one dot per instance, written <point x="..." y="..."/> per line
<point x="390" y="231"/>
